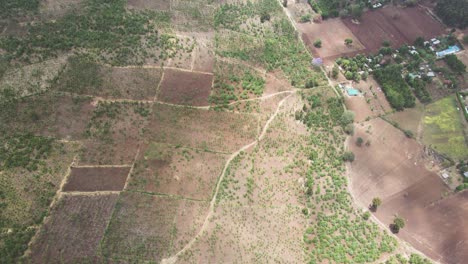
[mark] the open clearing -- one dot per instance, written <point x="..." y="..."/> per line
<point x="332" y="33"/>
<point x="89" y="179"/>
<point x="207" y="130"/>
<point x="165" y="169"/>
<point x="74" y="230"/>
<point x="443" y="129"/>
<point x="409" y="119"/>
<point x="397" y="25"/>
<point x="147" y="228"/>
<point x="395" y="168"/>
<point x="185" y="88"/>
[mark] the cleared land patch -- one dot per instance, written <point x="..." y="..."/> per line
<point x="179" y="171"/>
<point x="85" y="77"/>
<point x="409" y="119"/>
<point x="207" y="130"/>
<point x="114" y="133"/>
<point x="74" y="230"/>
<point x="185" y="88"/>
<point x="147" y="227"/>
<point x="395" y="169"/>
<point x="443" y="129"/>
<point x="96" y="179"/>
<point x="397" y="25"/>
<point x="332" y="33"/>
<point x="162" y="5"/>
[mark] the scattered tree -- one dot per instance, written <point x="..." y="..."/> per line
<point x="349" y="129"/>
<point x="398" y="223"/>
<point x="335" y="72"/>
<point x="264" y="17"/>
<point x="348" y="156"/>
<point x="305" y="18"/>
<point x="455" y="64"/>
<point x="356" y="11"/>
<point x="366" y="216"/>
<point x="376" y="202"/>
<point x="318" y="43"/>
<point x="285" y="3"/>
<point x="359" y="141"/>
<point x="347" y="117"/>
<point x="348" y="41"/>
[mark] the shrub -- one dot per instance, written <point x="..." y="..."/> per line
<point x="348" y="41"/>
<point x="348" y="156"/>
<point x="305" y="18"/>
<point x="264" y="17"/>
<point x="335" y="72"/>
<point x="455" y="64"/>
<point x="398" y="223"/>
<point x="318" y="43"/>
<point x="349" y="129"/>
<point x="359" y="141"/>
<point x="366" y="216"/>
<point x="408" y="133"/>
<point x="347" y="117"/>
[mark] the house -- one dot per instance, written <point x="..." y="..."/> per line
<point x="445" y="175"/>
<point x="430" y="74"/>
<point x="450" y="50"/>
<point x="413" y="52"/>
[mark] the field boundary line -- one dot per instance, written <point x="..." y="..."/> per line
<point x="102" y="166"/>
<point x="129" y="175"/>
<point x="91" y="193"/>
<point x="57" y="197"/>
<point x="173" y="259"/>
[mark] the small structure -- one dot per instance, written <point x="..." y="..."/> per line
<point x="450" y="50"/>
<point x="465" y="174"/>
<point x="445" y="175"/>
<point x="317" y="62"/>
<point x="430" y="74"/>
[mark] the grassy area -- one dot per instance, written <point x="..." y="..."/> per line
<point x="443" y="129"/>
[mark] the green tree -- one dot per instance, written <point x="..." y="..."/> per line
<point x="398" y="224"/>
<point x="335" y="72"/>
<point x="359" y="141"/>
<point x="318" y="43"/>
<point x="376" y="202"/>
<point x="348" y="156"/>
<point x="356" y="11"/>
<point x="347" y="117"/>
<point x="348" y="41"/>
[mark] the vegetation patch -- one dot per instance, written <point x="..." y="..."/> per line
<point x="87" y="179"/>
<point x="201" y="129"/>
<point x="443" y="129"/>
<point x="174" y="170"/>
<point x="27" y="189"/>
<point x="74" y="229"/>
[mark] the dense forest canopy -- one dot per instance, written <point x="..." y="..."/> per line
<point x="453" y="12"/>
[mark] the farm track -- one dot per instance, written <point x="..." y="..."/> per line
<point x="173" y="259"/>
<point x="405" y="245"/>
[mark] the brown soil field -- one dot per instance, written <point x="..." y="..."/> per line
<point x="395" y="169"/>
<point x="332" y="32"/>
<point x="185" y="88"/>
<point x="51" y="114"/>
<point x="165" y="169"/>
<point x="360" y="107"/>
<point x="149" y="228"/>
<point x="409" y="119"/>
<point x="276" y="82"/>
<point x="74" y="230"/>
<point x="114" y="133"/>
<point x="129" y="83"/>
<point x="162" y="5"/>
<point x="203" y="129"/>
<point x="96" y="179"/>
<point x="397" y="25"/>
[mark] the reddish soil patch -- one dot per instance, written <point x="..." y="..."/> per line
<point x="149" y="228"/>
<point x="177" y="171"/>
<point x="96" y="179"/>
<point x="74" y="230"/>
<point x="186" y="88"/>
<point x="332" y="33"/>
<point x="394" y="168"/>
<point x="202" y="129"/>
<point x="397" y="25"/>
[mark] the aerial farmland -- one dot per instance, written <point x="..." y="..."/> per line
<point x="233" y="131"/>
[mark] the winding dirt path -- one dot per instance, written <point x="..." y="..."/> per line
<point x="173" y="259"/>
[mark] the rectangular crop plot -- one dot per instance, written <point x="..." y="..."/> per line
<point x="74" y="230"/>
<point x="185" y="88"/>
<point x="203" y="129"/>
<point x="166" y="169"/>
<point x="150" y="228"/>
<point x="96" y="179"/>
<point x="397" y="25"/>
